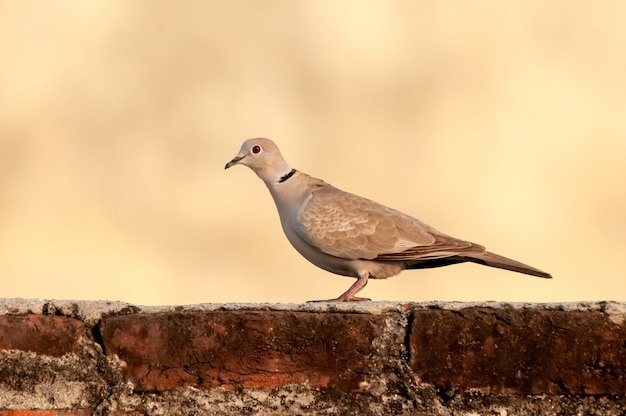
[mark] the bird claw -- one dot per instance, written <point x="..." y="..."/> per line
<point x="341" y="298"/>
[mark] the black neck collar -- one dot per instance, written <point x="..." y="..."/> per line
<point x="287" y="176"/>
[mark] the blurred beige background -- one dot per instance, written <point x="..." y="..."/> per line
<point x="499" y="122"/>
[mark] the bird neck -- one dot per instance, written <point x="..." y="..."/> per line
<point x="288" y="188"/>
<point x="287" y="175"/>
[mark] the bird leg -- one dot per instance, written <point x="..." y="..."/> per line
<point x="348" y="295"/>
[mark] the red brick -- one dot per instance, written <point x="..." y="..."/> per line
<point x="41" y="334"/>
<point x="77" y="412"/>
<point x="519" y="351"/>
<point x="243" y="349"/>
<point x="74" y="412"/>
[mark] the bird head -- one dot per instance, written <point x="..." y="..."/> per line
<point x="263" y="157"/>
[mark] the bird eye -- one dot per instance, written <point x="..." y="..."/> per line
<point x="256" y="149"/>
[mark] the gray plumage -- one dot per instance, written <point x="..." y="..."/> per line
<point x="353" y="236"/>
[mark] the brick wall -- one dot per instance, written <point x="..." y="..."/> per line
<point x="374" y="358"/>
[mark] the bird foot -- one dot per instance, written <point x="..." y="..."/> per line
<point x="348" y="295"/>
<point x="341" y="298"/>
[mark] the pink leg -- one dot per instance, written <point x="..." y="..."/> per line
<point x="348" y="295"/>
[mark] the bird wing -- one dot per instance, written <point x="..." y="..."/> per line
<point x="352" y="227"/>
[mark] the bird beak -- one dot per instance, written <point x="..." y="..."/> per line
<point x="235" y="160"/>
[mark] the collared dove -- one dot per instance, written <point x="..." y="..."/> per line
<point x="353" y="236"/>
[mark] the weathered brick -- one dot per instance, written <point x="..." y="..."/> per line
<point x="243" y="349"/>
<point x="526" y="351"/>
<point x="75" y="412"/>
<point x="47" y="335"/>
<point x="67" y="412"/>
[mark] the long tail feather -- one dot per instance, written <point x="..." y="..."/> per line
<point x="494" y="260"/>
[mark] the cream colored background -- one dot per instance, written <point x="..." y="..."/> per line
<point x="499" y="122"/>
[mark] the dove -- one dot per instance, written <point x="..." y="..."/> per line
<point x="353" y="236"/>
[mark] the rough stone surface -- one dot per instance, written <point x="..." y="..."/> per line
<point x="527" y="351"/>
<point x="77" y="412"/>
<point x="243" y="349"/>
<point x="75" y="380"/>
<point x="45" y="335"/>
<point x="373" y="358"/>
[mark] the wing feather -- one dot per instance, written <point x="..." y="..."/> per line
<point x="352" y="227"/>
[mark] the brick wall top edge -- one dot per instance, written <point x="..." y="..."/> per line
<point x="91" y="312"/>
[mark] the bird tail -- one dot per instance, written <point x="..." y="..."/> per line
<point x="494" y="260"/>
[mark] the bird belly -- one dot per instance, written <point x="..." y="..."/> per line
<point x="322" y="260"/>
<point x="341" y="266"/>
<point x="379" y="269"/>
